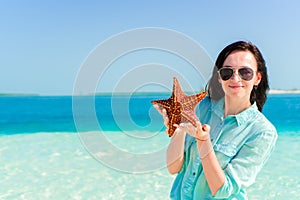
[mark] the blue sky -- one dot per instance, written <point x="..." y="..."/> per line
<point x="44" y="43"/>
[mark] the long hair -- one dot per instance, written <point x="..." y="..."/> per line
<point x="259" y="93"/>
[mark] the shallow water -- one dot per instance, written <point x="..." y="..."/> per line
<point x="42" y="156"/>
<point x="57" y="166"/>
<point x="279" y="179"/>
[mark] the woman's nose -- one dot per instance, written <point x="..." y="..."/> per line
<point x="235" y="75"/>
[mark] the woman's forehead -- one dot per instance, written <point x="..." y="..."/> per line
<point x="240" y="59"/>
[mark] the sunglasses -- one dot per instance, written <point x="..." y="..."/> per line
<point x="245" y="73"/>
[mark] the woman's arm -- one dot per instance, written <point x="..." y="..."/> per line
<point x="242" y="170"/>
<point x="175" y="152"/>
<point x="214" y="174"/>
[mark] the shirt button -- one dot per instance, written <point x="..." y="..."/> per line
<point x="194" y="173"/>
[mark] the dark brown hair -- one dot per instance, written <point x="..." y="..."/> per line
<point x="259" y="93"/>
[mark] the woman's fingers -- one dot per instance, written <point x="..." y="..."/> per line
<point x="206" y="128"/>
<point x="163" y="112"/>
<point x="197" y="132"/>
<point x="158" y="108"/>
<point x="189" y="128"/>
<point x="200" y="131"/>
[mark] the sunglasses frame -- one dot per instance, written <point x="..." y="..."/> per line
<point x="239" y="72"/>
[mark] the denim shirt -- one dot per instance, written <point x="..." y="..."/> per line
<point x="242" y="144"/>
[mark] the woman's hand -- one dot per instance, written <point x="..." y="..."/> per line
<point x="175" y="151"/>
<point x="200" y="132"/>
<point x="163" y="112"/>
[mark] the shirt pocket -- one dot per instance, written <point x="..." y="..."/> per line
<point x="225" y="152"/>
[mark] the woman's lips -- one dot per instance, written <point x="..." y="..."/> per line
<point x="235" y="86"/>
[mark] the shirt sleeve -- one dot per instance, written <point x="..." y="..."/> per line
<point x="242" y="170"/>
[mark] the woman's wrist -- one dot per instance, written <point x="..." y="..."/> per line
<point x="204" y="146"/>
<point x="202" y="139"/>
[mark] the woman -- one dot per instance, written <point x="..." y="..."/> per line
<point x="222" y="157"/>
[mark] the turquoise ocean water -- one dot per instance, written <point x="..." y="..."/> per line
<point x="42" y="155"/>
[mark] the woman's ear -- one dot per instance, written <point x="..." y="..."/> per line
<point x="258" y="78"/>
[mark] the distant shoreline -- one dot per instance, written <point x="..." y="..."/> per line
<point x="284" y="92"/>
<point x="272" y="91"/>
<point x="18" y="95"/>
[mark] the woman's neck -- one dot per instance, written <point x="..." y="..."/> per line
<point x="235" y="106"/>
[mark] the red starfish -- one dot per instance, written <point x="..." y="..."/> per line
<point x="180" y="107"/>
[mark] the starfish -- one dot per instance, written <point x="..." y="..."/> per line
<point x="180" y="107"/>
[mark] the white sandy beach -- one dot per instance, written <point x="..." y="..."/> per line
<point x="284" y="91"/>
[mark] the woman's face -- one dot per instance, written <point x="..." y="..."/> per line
<point x="235" y="86"/>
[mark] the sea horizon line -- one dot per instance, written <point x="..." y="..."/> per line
<point x="271" y="91"/>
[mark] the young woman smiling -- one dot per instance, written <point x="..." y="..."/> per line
<point x="222" y="157"/>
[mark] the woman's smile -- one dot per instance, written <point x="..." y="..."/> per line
<point x="235" y="86"/>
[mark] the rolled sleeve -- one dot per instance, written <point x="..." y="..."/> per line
<point x="242" y="170"/>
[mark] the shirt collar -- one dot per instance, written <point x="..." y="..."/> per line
<point x="247" y="114"/>
<point x="241" y="118"/>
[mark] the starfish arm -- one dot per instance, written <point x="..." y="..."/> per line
<point x="190" y="102"/>
<point x="190" y="116"/>
<point x="180" y="107"/>
<point x="174" y="118"/>
<point x="177" y="91"/>
<point x="163" y="104"/>
<point x="171" y="129"/>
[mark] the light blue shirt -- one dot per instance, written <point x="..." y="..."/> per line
<point x="242" y="144"/>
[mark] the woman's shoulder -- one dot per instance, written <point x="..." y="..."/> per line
<point x="264" y="126"/>
<point x="264" y="121"/>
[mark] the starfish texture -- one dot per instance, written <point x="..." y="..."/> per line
<point x="180" y="107"/>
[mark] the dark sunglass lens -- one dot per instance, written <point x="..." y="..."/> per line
<point x="226" y="73"/>
<point x="246" y="73"/>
